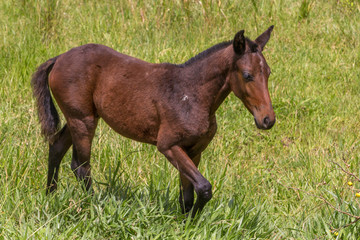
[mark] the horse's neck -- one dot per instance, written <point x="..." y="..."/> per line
<point x="209" y="78"/>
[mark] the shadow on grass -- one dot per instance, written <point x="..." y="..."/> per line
<point x="119" y="188"/>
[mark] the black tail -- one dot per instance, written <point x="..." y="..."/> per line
<point x="48" y="116"/>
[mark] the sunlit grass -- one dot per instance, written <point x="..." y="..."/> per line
<point x="266" y="184"/>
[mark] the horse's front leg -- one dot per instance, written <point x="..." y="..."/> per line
<point x="177" y="156"/>
<point x="186" y="197"/>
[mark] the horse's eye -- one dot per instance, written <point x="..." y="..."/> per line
<point x="248" y="77"/>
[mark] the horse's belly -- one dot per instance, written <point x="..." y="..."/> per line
<point x="130" y="118"/>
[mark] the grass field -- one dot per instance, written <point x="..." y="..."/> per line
<point x="286" y="183"/>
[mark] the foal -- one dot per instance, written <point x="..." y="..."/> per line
<point x="170" y="106"/>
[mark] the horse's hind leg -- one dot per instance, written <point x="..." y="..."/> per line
<point x="57" y="151"/>
<point x="82" y="132"/>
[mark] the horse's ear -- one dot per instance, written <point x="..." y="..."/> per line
<point x="239" y="43"/>
<point x="264" y="37"/>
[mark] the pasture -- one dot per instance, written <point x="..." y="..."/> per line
<point x="290" y="182"/>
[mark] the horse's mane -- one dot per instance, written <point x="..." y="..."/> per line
<point x="206" y="53"/>
<point x="252" y="45"/>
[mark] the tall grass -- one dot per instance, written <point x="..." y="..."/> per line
<point x="266" y="185"/>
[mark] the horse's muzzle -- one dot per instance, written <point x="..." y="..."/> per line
<point x="266" y="123"/>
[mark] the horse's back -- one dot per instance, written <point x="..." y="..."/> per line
<point x="86" y="62"/>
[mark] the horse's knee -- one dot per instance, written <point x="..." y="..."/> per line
<point x="204" y="191"/>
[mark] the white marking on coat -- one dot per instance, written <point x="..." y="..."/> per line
<point x="184" y="98"/>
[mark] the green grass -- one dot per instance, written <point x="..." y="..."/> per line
<point x="266" y="184"/>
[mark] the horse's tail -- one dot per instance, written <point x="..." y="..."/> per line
<point x="48" y="115"/>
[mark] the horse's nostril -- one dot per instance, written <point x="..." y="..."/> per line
<point x="266" y="121"/>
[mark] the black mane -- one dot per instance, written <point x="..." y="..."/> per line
<point x="206" y="53"/>
<point x="252" y="45"/>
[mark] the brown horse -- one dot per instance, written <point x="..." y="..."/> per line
<point x="170" y="106"/>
